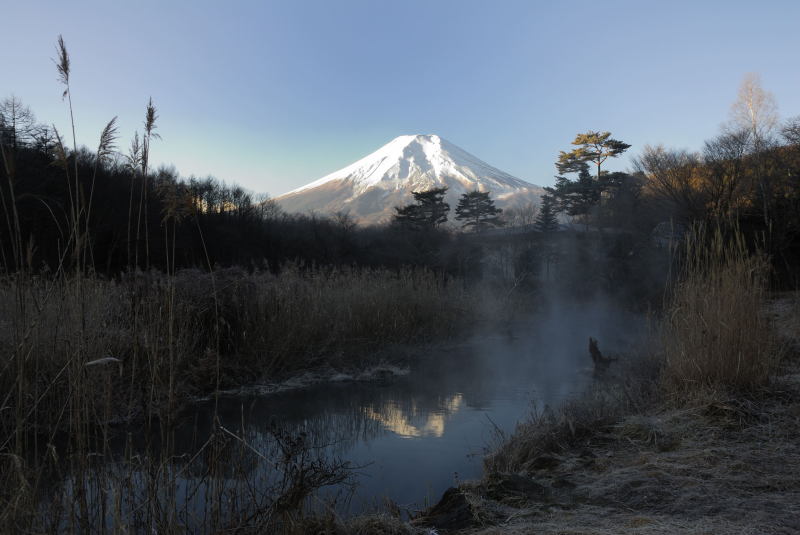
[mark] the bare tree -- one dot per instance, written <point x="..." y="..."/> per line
<point x="268" y="208"/>
<point x="725" y="181"/>
<point x="756" y="112"/>
<point x="671" y="178"/>
<point x="520" y="214"/>
<point x="791" y="131"/>
<point x="344" y="221"/>
<point x="17" y="123"/>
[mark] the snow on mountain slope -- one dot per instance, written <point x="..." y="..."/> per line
<point x="371" y="187"/>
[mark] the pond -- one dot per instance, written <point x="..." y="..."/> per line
<point x="404" y="438"/>
<point x="412" y="436"/>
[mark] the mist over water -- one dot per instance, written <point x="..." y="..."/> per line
<point x="411" y="437"/>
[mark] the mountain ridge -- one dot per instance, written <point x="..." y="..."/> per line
<point x="371" y="187"/>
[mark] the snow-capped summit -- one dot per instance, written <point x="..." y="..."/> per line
<point x="371" y="187"/>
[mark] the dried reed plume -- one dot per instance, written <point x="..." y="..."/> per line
<point x="62" y="64"/>
<point x="105" y="148"/>
<point x="108" y="139"/>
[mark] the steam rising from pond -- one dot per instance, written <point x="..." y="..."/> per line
<point x="412" y="435"/>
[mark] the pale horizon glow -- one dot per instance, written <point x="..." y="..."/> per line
<point x="274" y="95"/>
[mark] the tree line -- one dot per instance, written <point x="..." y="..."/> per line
<point x="747" y="177"/>
<point x="66" y="207"/>
<point x="108" y="212"/>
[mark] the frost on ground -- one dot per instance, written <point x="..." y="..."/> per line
<point x="717" y="464"/>
<point x="720" y="467"/>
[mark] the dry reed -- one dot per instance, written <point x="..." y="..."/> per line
<point x="714" y="333"/>
<point x="82" y="362"/>
<point x="157" y="327"/>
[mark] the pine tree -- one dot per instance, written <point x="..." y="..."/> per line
<point x="408" y="216"/>
<point x="576" y="198"/>
<point x="546" y="220"/>
<point x="428" y="211"/>
<point x="593" y="147"/>
<point x="477" y="210"/>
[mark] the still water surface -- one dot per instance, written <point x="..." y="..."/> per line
<point x="413" y="436"/>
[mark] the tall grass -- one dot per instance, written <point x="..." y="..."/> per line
<point x="107" y="356"/>
<point x="714" y="333"/>
<point x="152" y="330"/>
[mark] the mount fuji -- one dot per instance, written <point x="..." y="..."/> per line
<point x="370" y="188"/>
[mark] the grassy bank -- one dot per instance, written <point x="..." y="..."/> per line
<point x="87" y="360"/>
<point x="168" y="337"/>
<point x="698" y="434"/>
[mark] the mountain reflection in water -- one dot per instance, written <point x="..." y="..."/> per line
<point x="398" y="422"/>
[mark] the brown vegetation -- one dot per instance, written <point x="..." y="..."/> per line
<point x="689" y="439"/>
<point x="714" y="333"/>
<point x="171" y="336"/>
<point x="84" y="360"/>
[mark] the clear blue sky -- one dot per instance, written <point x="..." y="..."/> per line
<point x="274" y="94"/>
